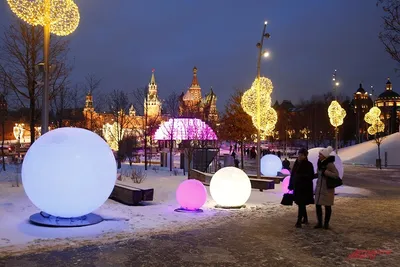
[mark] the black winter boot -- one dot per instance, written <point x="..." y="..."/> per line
<point x="319" y="216"/>
<point x="328" y="213"/>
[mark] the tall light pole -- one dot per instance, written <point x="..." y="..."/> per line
<point x="260" y="54"/>
<point x="46" y="48"/>
<point x="57" y="17"/>
<point x="335" y="112"/>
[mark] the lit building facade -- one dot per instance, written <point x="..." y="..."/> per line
<point x="193" y="105"/>
<point x="362" y="103"/>
<point x="389" y="104"/>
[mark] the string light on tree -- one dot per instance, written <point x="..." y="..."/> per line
<point x="373" y="118"/>
<point x="336" y="114"/>
<point x="63" y="14"/>
<point x="268" y="116"/>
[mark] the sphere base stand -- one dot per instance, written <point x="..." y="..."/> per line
<point x="230" y="208"/>
<point x="44" y="219"/>
<point x="189" y="211"/>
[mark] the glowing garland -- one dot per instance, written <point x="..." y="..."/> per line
<point x="373" y="118"/>
<point x="63" y="14"/>
<point x="268" y="116"/>
<point x="111" y="134"/>
<point x="336" y="114"/>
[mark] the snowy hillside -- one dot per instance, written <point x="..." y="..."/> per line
<point x="367" y="152"/>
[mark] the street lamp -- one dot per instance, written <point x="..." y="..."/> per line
<point x="60" y="17"/>
<point x="335" y="112"/>
<point x="264" y="117"/>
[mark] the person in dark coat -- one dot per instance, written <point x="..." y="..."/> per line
<point x="325" y="196"/>
<point x="301" y="182"/>
<point x="286" y="163"/>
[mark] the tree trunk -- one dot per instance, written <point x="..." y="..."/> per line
<point x="241" y="155"/>
<point x="145" y="150"/>
<point x="170" y="145"/>
<point x="2" y="145"/>
<point x="170" y="155"/>
<point x="379" y="155"/>
<point x="32" y="108"/>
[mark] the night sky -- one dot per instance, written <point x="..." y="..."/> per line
<point x="121" y="41"/>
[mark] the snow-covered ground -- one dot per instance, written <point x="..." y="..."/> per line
<point x="121" y="221"/>
<point x="367" y="152"/>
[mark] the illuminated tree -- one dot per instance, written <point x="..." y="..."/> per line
<point x="336" y="116"/>
<point x="62" y="15"/>
<point x="266" y="117"/>
<point x="377" y="127"/>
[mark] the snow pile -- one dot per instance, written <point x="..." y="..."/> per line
<point x="366" y="153"/>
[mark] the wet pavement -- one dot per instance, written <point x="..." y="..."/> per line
<point x="365" y="232"/>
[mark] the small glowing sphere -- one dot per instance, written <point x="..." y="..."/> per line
<point x="191" y="194"/>
<point x="69" y="172"/>
<point x="270" y="165"/>
<point x="285" y="184"/>
<point x="313" y="158"/>
<point x="285" y="172"/>
<point x="230" y="187"/>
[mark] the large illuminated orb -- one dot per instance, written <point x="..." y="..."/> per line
<point x="191" y="195"/>
<point x="270" y="165"/>
<point x="69" y="172"/>
<point x="230" y="187"/>
<point x="313" y="158"/>
<point x="285" y="184"/>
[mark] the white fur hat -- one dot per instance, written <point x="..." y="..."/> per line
<point x="326" y="151"/>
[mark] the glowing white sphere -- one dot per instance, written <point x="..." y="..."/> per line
<point x="69" y="172"/>
<point x="230" y="187"/>
<point x="270" y="165"/>
<point x="313" y="158"/>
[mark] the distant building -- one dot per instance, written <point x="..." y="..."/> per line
<point x="152" y="102"/>
<point x="389" y="103"/>
<point x="361" y="103"/>
<point x="193" y="105"/>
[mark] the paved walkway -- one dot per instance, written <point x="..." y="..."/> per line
<point x="358" y="224"/>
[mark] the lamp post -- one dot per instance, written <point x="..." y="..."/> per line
<point x="258" y="101"/>
<point x="57" y="17"/>
<point x="335" y="112"/>
<point x="3" y="117"/>
<point x="335" y="87"/>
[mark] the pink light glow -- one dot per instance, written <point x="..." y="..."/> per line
<point x="185" y="129"/>
<point x="191" y="194"/>
<point x="285" y="172"/>
<point x="285" y="185"/>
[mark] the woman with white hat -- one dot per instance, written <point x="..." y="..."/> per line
<point x="324" y="196"/>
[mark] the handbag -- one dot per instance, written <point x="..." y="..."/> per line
<point x="287" y="199"/>
<point x="333" y="182"/>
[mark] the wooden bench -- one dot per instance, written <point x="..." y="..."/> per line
<point x="276" y="179"/>
<point x="205" y="178"/>
<point x="130" y="195"/>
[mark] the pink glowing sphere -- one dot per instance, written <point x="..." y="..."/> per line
<point x="285" y="184"/>
<point x="191" y="194"/>
<point x="285" y="172"/>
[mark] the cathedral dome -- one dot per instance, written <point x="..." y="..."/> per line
<point x="188" y="96"/>
<point x="389" y="95"/>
